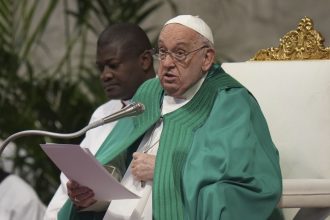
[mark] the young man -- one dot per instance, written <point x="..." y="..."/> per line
<point x="124" y="60"/>
<point x="215" y="157"/>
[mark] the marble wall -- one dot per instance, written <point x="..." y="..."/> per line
<point x="242" y="27"/>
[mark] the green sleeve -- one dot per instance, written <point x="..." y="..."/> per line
<point x="232" y="171"/>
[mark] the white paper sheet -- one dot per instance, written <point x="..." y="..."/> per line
<point x="80" y="165"/>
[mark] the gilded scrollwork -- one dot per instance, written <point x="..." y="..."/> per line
<point x="304" y="43"/>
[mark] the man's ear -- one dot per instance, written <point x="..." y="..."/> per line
<point x="145" y="60"/>
<point x="208" y="59"/>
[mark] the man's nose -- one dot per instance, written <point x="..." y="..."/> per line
<point x="106" y="73"/>
<point x="168" y="60"/>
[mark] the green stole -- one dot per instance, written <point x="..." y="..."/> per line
<point x="175" y="141"/>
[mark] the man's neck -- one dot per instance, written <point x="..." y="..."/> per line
<point x="189" y="94"/>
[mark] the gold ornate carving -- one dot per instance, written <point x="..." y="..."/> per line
<point x="304" y="43"/>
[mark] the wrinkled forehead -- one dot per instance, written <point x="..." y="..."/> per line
<point x="178" y="34"/>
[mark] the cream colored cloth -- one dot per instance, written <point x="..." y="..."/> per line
<point x="294" y="97"/>
<point x="19" y="201"/>
<point x="312" y="193"/>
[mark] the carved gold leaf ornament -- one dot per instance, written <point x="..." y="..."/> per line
<point x="304" y="43"/>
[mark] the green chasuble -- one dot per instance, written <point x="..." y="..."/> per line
<point x="215" y="160"/>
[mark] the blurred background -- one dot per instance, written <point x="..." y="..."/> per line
<point x="48" y="79"/>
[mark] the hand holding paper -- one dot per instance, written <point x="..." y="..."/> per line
<point x="81" y="166"/>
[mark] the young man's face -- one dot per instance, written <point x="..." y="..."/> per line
<point x="121" y="73"/>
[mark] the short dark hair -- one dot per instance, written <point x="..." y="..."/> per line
<point x="127" y="35"/>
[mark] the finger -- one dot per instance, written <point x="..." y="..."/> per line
<point x="80" y="191"/>
<point x="135" y="162"/>
<point x="83" y="196"/>
<point x="75" y="200"/>
<point x="139" y="159"/>
<point x="135" y="173"/>
<point x="144" y="171"/>
<point x="74" y="194"/>
<point x="87" y="195"/>
<point x="85" y="199"/>
<point x="137" y="155"/>
<point x="71" y="184"/>
<point x="74" y="183"/>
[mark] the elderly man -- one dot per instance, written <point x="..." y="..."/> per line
<point x="203" y="150"/>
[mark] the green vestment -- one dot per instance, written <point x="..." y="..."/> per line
<point x="215" y="160"/>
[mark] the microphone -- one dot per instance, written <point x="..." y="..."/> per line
<point x="133" y="109"/>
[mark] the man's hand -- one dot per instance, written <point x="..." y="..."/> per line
<point x="143" y="166"/>
<point x="81" y="196"/>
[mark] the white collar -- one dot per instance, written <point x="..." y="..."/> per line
<point x="171" y="104"/>
<point x="126" y="102"/>
<point x="189" y="94"/>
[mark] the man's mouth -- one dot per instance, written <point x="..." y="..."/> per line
<point x="109" y="86"/>
<point x="169" y="77"/>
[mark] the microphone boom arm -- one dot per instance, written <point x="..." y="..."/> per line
<point x="130" y="110"/>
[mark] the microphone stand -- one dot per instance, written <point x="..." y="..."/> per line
<point x="130" y="110"/>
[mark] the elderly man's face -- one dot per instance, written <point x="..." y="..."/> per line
<point x="177" y="76"/>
